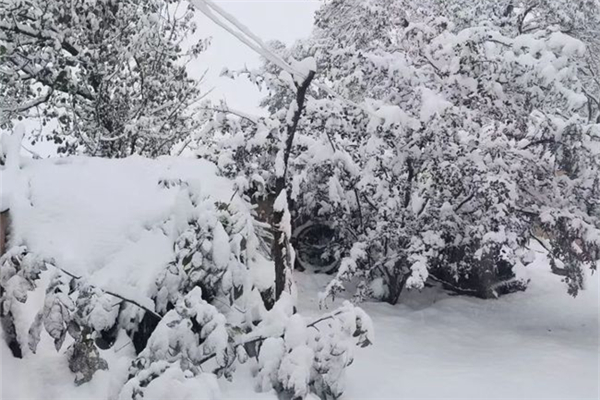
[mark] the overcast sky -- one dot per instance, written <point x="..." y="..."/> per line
<point x="284" y="20"/>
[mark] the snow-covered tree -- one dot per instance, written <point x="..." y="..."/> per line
<point x="465" y="159"/>
<point x="452" y="156"/>
<point x="110" y="75"/>
<point x="256" y="153"/>
<point x="514" y="18"/>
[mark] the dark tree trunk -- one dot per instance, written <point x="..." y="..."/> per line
<point x="10" y="334"/>
<point x="396" y="287"/>
<point x="280" y="245"/>
<point x="4" y="226"/>
<point x="396" y="281"/>
<point x="7" y="321"/>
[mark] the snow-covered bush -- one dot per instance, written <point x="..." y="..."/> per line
<point x="187" y="336"/>
<point x="297" y="357"/>
<point x="292" y="356"/>
<point x="19" y="271"/>
<point x="84" y="318"/>
<point x="91" y="313"/>
<point x="214" y="245"/>
<point x="202" y="315"/>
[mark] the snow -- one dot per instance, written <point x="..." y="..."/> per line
<point x="304" y="67"/>
<point x="336" y="192"/>
<point x="389" y="115"/>
<point x="104" y="218"/>
<point x="174" y="385"/>
<point x="10" y="145"/>
<point x="281" y="205"/>
<point x="295" y="331"/>
<point x="294" y="372"/>
<point x="566" y="44"/>
<point x="540" y="344"/>
<point x="419" y="273"/>
<point x="220" y="250"/>
<point x="269" y="358"/>
<point x="431" y="104"/>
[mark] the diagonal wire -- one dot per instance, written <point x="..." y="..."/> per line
<point x="245" y="35"/>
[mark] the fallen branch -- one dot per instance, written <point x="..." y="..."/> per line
<point x="453" y="287"/>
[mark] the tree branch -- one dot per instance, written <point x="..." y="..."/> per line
<point x="31" y="104"/>
<point x="15" y="28"/>
<point x="72" y="275"/>
<point x="465" y="201"/>
<point x="542" y="141"/>
<point x="411" y="175"/>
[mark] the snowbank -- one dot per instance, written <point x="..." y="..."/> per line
<point x="113" y="222"/>
<point x="105" y="219"/>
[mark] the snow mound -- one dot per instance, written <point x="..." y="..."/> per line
<point x="112" y="221"/>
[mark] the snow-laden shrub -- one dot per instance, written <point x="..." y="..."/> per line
<point x="191" y="334"/>
<point x="19" y="271"/>
<point x="82" y="318"/>
<point x="203" y="316"/>
<point x="292" y="356"/>
<point x="82" y="311"/>
<point x="215" y="244"/>
<point x="297" y="357"/>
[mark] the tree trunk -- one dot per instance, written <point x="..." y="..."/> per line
<point x="396" y="286"/>
<point x="10" y="333"/>
<point x="7" y="322"/>
<point x="4" y="225"/>
<point x="280" y="246"/>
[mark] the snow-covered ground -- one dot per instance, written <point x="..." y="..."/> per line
<point x="538" y="344"/>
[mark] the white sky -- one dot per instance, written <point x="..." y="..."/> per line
<point x="284" y="20"/>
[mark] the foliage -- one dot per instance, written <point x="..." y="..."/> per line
<point x="19" y="271"/>
<point x="108" y="77"/>
<point x="186" y="337"/>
